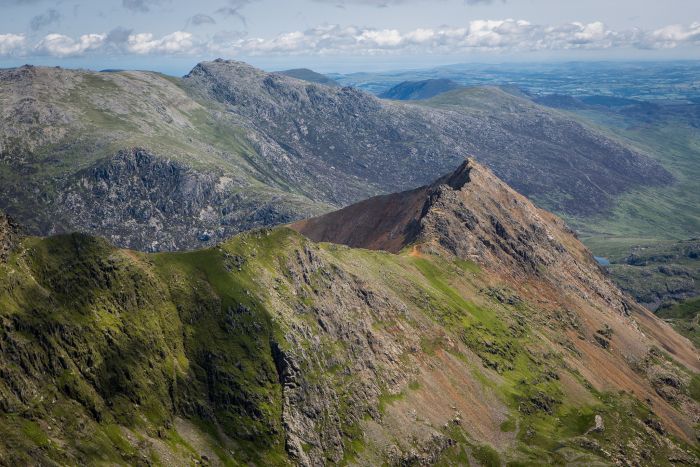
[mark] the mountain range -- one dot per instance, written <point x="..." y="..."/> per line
<point x="160" y="163"/>
<point x="455" y="323"/>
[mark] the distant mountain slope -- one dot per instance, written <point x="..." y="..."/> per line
<point x="311" y="76"/>
<point x="553" y="149"/>
<point x="160" y="163"/>
<point x="72" y="144"/>
<point x="490" y="337"/>
<point x="544" y="154"/>
<point x="416" y="90"/>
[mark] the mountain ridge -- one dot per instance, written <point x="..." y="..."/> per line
<point x="269" y="349"/>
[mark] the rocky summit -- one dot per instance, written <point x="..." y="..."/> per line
<point x="453" y="324"/>
<point x="187" y="162"/>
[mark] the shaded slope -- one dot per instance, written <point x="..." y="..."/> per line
<point x="417" y="90"/>
<point x="553" y="150"/>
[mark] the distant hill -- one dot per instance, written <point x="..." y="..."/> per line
<point x="417" y="90"/>
<point x="311" y="76"/>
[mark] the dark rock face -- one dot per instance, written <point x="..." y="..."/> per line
<point x="142" y="201"/>
<point x="8" y="236"/>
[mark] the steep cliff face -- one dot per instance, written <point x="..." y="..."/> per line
<point x="139" y="200"/>
<point x="484" y="335"/>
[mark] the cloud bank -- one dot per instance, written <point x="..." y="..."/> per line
<point x="497" y="36"/>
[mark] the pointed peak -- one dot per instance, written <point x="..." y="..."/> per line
<point x="460" y="177"/>
<point x="207" y="67"/>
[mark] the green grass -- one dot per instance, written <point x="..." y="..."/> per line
<point x="508" y="426"/>
<point x="684" y="318"/>
<point x="487" y="456"/>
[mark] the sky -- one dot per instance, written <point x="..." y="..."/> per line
<point x="342" y="35"/>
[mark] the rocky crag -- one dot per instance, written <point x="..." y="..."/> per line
<point x="8" y="236"/>
<point x="472" y="327"/>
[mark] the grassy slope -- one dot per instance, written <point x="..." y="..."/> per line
<point x="650" y="215"/>
<point x="684" y="317"/>
<point x="112" y="345"/>
<point x="655" y="219"/>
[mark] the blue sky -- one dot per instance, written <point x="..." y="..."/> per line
<point x="342" y="35"/>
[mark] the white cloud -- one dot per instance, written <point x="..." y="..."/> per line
<point x="59" y="45"/>
<point x="11" y="44"/>
<point x="507" y="35"/>
<point x="384" y="38"/>
<point x="672" y="36"/>
<point x="178" y="42"/>
<point x="491" y="35"/>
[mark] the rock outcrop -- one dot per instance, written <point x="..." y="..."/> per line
<point x="8" y="236"/>
<point x="139" y="200"/>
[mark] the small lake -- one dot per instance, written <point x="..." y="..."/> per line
<point x="602" y="261"/>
